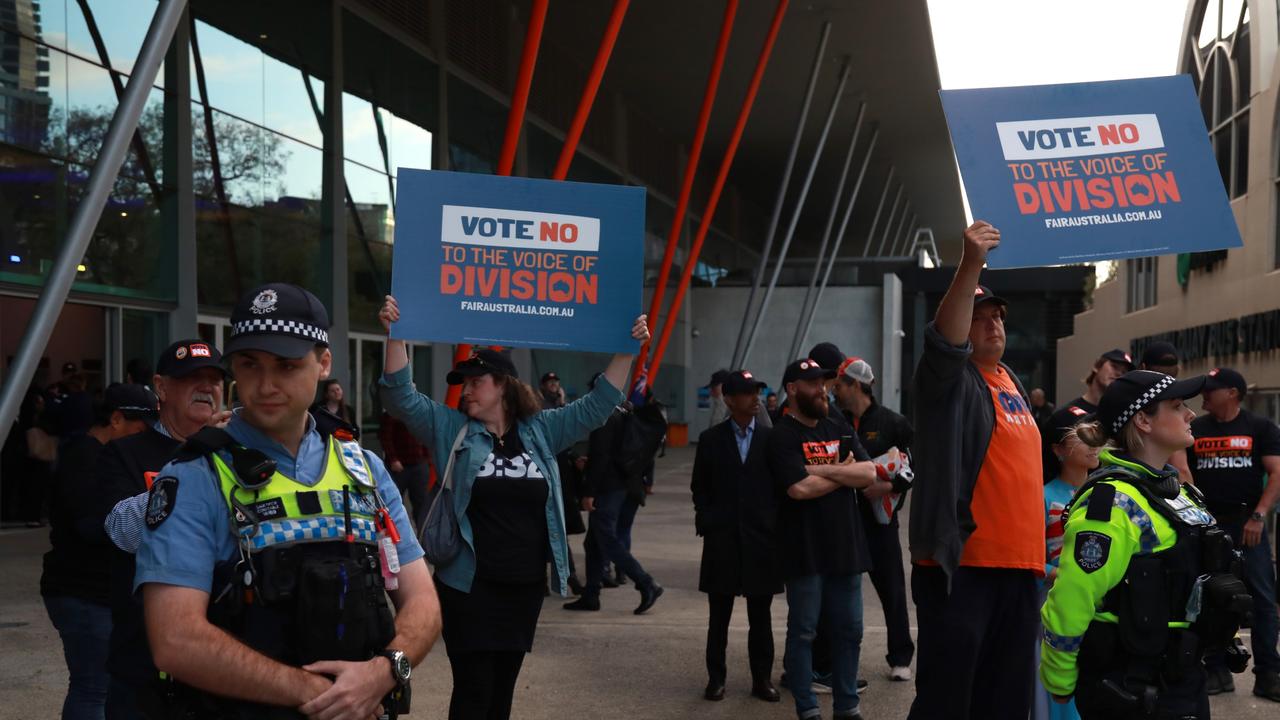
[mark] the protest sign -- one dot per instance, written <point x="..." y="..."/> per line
<point x="491" y="260"/>
<point x="1090" y="171"/>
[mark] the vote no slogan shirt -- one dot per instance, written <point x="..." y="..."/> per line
<point x="508" y="515"/>
<point x="1226" y="459"/>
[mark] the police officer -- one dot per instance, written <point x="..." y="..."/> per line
<point x="1145" y="584"/>
<point x="269" y="546"/>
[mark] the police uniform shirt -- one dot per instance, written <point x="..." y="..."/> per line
<point x="1226" y="460"/>
<point x="190" y="530"/>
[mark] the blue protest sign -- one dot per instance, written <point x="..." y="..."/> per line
<point x="491" y="260"/>
<point x="1090" y="171"/>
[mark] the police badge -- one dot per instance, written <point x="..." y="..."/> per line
<point x="1092" y="550"/>
<point x="164" y="493"/>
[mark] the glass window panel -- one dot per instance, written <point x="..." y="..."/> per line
<point x="1223" y="87"/>
<point x="45" y="21"/>
<point x="370" y="400"/>
<point x="288" y="108"/>
<point x="1209" y="24"/>
<point x="476" y="126"/>
<point x="32" y="92"/>
<point x="1241" y="56"/>
<point x="233" y="74"/>
<point x="421" y="368"/>
<point x="410" y="143"/>
<point x="123" y="25"/>
<point x="360" y="132"/>
<point x="1242" y="154"/>
<point x="370" y="231"/>
<point x="1231" y="12"/>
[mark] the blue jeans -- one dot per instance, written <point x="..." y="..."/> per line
<point x="604" y="545"/>
<point x="85" y="629"/>
<point x="839" y="599"/>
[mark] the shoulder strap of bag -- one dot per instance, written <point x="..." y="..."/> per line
<point x="453" y="453"/>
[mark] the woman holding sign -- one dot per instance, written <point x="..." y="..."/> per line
<point x="506" y="498"/>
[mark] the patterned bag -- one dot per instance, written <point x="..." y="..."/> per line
<point x="440" y="539"/>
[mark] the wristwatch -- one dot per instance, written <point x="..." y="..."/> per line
<point x="400" y="667"/>
<point x="1258" y="516"/>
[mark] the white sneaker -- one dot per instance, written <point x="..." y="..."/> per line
<point x="900" y="673"/>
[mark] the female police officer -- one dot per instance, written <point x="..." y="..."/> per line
<point x="1144" y="587"/>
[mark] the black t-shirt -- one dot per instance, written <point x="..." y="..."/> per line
<point x="122" y="470"/>
<point x="1226" y="459"/>
<point x="508" y="515"/>
<point x="1083" y="404"/>
<point x="824" y="535"/>
<point x="78" y="565"/>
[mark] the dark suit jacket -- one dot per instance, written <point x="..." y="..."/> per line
<point x="736" y="510"/>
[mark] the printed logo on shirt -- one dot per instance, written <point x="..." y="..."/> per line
<point x="1077" y="410"/>
<point x="1226" y="452"/>
<point x="520" y="466"/>
<point x="824" y="452"/>
<point x="1015" y="411"/>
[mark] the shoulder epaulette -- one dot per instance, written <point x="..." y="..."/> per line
<point x="1104" y="495"/>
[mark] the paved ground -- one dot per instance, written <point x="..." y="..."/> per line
<point x="591" y="665"/>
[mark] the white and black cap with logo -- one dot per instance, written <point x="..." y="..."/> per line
<point x="280" y="319"/>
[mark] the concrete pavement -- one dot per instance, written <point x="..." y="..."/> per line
<point x="584" y="665"/>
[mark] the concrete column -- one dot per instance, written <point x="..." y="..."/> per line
<point x="177" y="208"/>
<point x="333" y="221"/>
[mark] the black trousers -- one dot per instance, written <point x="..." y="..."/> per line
<point x="483" y="684"/>
<point x="891" y="586"/>
<point x="977" y="644"/>
<point x="759" y="636"/>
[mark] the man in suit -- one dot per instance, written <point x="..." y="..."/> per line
<point x="735" y="511"/>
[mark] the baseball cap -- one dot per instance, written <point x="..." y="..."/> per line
<point x="1062" y="420"/>
<point x="280" y="319"/>
<point x="484" y="361"/>
<point x="858" y="370"/>
<point x="1119" y="357"/>
<point x="827" y="355"/>
<point x="1162" y="354"/>
<point x="718" y="377"/>
<point x="1219" y="378"/>
<point x="982" y="294"/>
<point x="742" y="382"/>
<point x="187" y="356"/>
<point x="549" y="376"/>
<point x="806" y="369"/>
<point x="1138" y="389"/>
<point x="135" y="402"/>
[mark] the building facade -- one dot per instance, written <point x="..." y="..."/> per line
<point x="1219" y="308"/>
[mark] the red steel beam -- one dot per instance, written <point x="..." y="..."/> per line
<point x="690" y="172"/>
<point x="714" y="200"/>
<point x="589" y="92"/>
<point x="515" y="119"/>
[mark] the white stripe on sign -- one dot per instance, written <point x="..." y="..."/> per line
<point x="494" y="227"/>
<point x="1078" y="137"/>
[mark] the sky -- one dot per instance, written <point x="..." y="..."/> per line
<point x="997" y="43"/>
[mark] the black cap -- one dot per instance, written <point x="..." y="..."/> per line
<point x="135" y="402"/>
<point x="718" y="377"/>
<point x="280" y="319"/>
<point x="1219" y="378"/>
<point x="982" y="294"/>
<point x="1160" y="354"/>
<point x="1140" y="389"/>
<point x="1118" y="357"/>
<point x="1062" y="420"/>
<point x="827" y="355"/>
<point x="187" y="356"/>
<point x="742" y="383"/>
<point x="549" y="376"/>
<point x="484" y="361"/>
<point x="806" y="369"/>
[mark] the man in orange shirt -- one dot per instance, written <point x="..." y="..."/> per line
<point x="977" y="515"/>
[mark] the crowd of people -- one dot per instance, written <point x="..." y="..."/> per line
<point x="1092" y="559"/>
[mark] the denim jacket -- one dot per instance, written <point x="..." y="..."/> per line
<point x="544" y="435"/>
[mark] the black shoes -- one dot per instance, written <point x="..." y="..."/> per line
<point x="590" y="604"/>
<point x="648" y="596"/>
<point x="1219" y="681"/>
<point x="1267" y="685"/>
<point x="575" y="585"/>
<point x="714" y="692"/>
<point x="607" y="582"/>
<point x="765" y="691"/>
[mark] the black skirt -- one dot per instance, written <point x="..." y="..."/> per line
<point x="493" y="617"/>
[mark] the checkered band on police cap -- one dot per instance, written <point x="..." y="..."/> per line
<point x="1142" y="401"/>
<point x="281" y="327"/>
